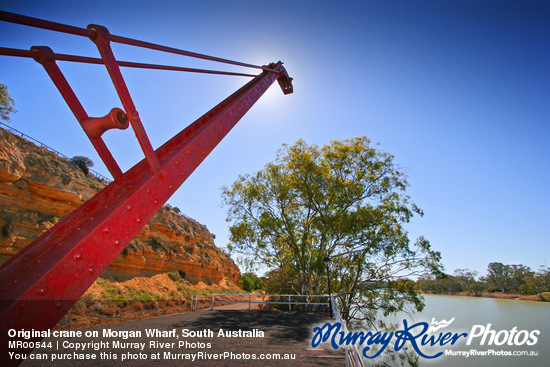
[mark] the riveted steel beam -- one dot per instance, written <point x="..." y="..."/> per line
<point x="41" y="283"/>
<point x="45" y="56"/>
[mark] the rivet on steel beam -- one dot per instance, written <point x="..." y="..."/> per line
<point x="155" y="201"/>
<point x="177" y="163"/>
<point x="138" y="220"/>
<point x="38" y="261"/>
<point x="129" y="207"/>
<point x="58" y="304"/>
<point x="148" y="191"/>
<point x="117" y="242"/>
<point x="106" y="230"/>
<point x="170" y="187"/>
<point x="78" y="229"/>
<point x="42" y="290"/>
<point x="78" y="256"/>
<point x="91" y="269"/>
<point x="60" y="244"/>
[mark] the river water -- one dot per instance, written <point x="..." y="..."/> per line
<point x="472" y="316"/>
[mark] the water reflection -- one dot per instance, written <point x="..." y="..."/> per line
<point x="502" y="314"/>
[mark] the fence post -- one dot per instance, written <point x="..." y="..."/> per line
<point x="212" y="301"/>
<point x="249" y="301"/>
<point x="289" y="304"/>
<point x="356" y="359"/>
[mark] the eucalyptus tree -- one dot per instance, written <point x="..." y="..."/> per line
<point x="345" y="202"/>
<point x="6" y="103"/>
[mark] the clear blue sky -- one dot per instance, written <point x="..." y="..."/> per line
<point x="458" y="91"/>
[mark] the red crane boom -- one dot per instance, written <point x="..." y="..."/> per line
<point x="40" y="284"/>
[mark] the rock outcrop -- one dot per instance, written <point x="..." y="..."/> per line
<point x="38" y="188"/>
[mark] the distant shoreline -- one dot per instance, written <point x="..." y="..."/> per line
<point x="521" y="297"/>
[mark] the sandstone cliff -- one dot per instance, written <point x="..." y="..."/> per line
<point x="38" y="188"/>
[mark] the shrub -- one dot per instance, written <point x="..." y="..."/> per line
<point x="246" y="283"/>
<point x="5" y="230"/>
<point x="84" y="163"/>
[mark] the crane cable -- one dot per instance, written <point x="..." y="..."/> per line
<point x="90" y="33"/>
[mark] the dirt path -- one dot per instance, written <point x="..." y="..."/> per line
<point x="274" y="338"/>
<point x="241" y="306"/>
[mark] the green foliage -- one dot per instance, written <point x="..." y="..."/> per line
<point x="84" y="163"/>
<point x="155" y="244"/>
<point x="346" y="201"/>
<point x="6" y="103"/>
<point x="444" y="284"/>
<point x="246" y="283"/>
<point x="175" y="276"/>
<point x="278" y="282"/>
<point x="5" y="230"/>
<point x="509" y="278"/>
<point x="476" y="288"/>
<point x="250" y="282"/>
<point x="463" y="280"/>
<point x="497" y="276"/>
<point x="539" y="283"/>
<point x="111" y="294"/>
<point x="512" y="279"/>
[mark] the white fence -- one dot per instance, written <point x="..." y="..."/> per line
<point x="290" y="302"/>
<point x="353" y="357"/>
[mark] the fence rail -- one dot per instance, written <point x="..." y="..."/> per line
<point x="356" y="360"/>
<point x="42" y="145"/>
<point x="353" y="356"/>
<point x="289" y="302"/>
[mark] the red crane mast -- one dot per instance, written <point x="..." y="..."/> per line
<point x="41" y="283"/>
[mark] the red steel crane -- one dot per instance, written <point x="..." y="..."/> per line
<point x="41" y="283"/>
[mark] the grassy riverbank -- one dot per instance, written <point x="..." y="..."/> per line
<point x="522" y="297"/>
